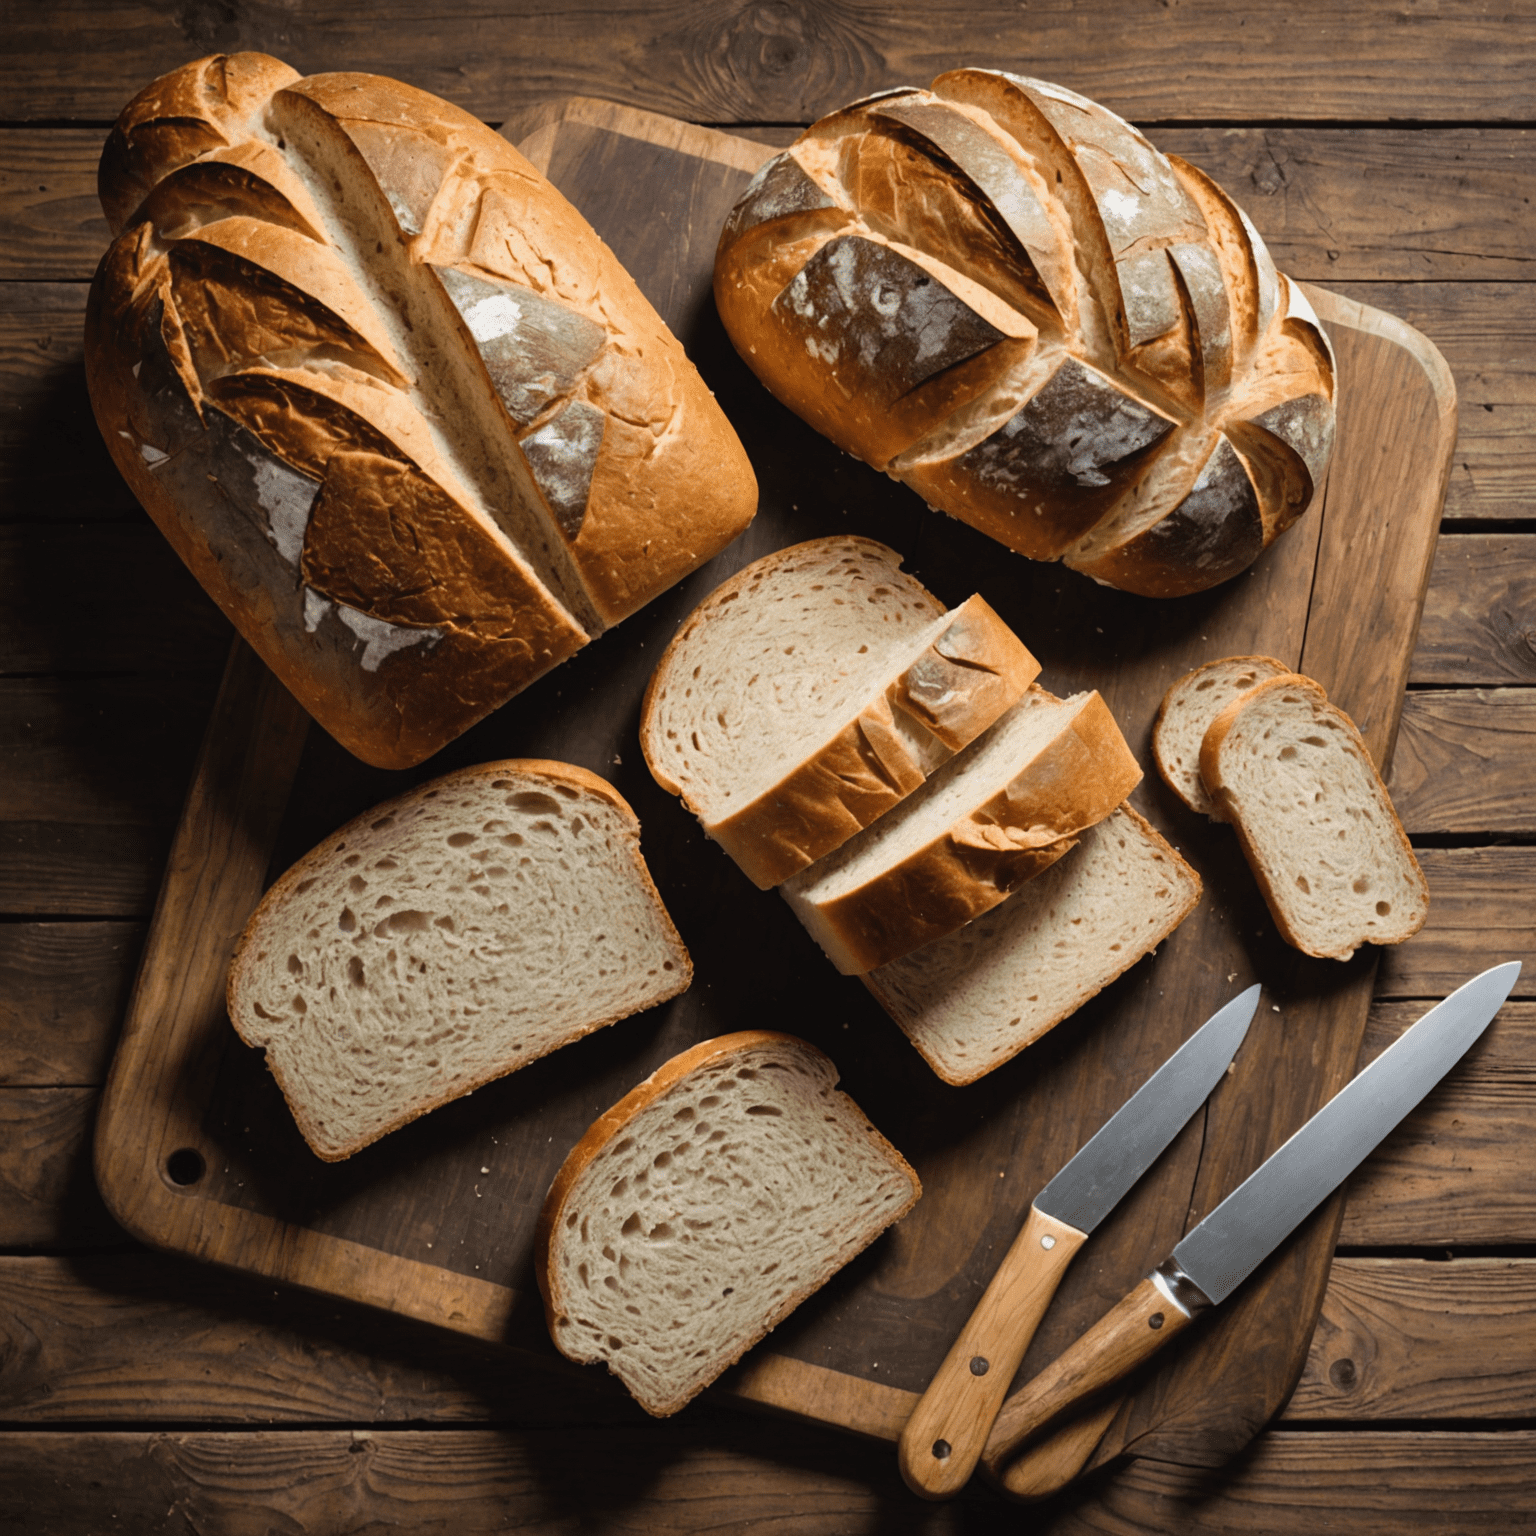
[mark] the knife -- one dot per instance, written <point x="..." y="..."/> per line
<point x="1219" y="1254"/>
<point x="943" y="1439"/>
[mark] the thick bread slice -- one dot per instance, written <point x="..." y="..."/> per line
<point x="974" y="999"/>
<point x="1186" y="713"/>
<point x="1291" y="773"/>
<point x="447" y="938"/>
<point x="806" y="695"/>
<point x="705" y="1206"/>
<point x="991" y="818"/>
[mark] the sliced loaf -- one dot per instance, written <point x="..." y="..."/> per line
<point x="447" y="938"/>
<point x="809" y="693"/>
<point x="1291" y="773"/>
<point x="1186" y="713"/>
<point x="989" y="819"/>
<point x="974" y="999"/>
<point x="705" y="1206"/>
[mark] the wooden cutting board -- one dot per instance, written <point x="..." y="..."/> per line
<point x="196" y="1152"/>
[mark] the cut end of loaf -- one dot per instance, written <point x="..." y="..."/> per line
<point x="705" y="1206"/>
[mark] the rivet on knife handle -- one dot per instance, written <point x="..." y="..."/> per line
<point x="943" y="1439"/>
<point x="1128" y="1334"/>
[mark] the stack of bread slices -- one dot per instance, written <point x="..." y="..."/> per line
<point x="944" y="827"/>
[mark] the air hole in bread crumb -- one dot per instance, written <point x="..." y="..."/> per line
<point x="302" y="886"/>
<point x="661" y="1232"/>
<point x="764" y="1109"/>
<point x="631" y="1226"/>
<point x="295" y="966"/>
<point x="709" y="1101"/>
<point x="625" y="1145"/>
<point x="355" y="972"/>
<point x="1287" y="753"/>
<point x="662" y="1160"/>
<point x="1303" y="886"/>
<point x="1383" y="908"/>
<point x="347" y="922"/>
<point x="461" y="839"/>
<point x="729" y="1290"/>
<point x="298" y="1005"/>
<point x="747" y="1075"/>
<point x="1361" y="885"/>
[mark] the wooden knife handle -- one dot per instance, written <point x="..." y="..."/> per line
<point x="943" y="1439"/>
<point x="1129" y="1333"/>
<point x="1047" y="1466"/>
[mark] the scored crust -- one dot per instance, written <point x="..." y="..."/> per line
<point x="613" y="1121"/>
<point x="1274" y="879"/>
<point x="319" y="860"/>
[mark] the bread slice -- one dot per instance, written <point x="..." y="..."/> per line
<point x="989" y="819"/>
<point x="1291" y="773"/>
<point x="808" y="694"/>
<point x="975" y="998"/>
<point x="447" y="938"/>
<point x="705" y="1206"/>
<point x="1186" y="713"/>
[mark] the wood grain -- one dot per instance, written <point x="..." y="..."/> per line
<point x="47" y="1195"/>
<point x="1479" y="624"/>
<point x="1456" y="1172"/>
<point x="1466" y="761"/>
<point x="1480" y="905"/>
<point x="719" y="61"/>
<point x="62" y="991"/>
<point x="58" y="868"/>
<point x="1416" y="1339"/>
<point x="1333" y="205"/>
<point x="147" y="611"/>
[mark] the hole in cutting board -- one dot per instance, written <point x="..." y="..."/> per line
<point x="185" y="1166"/>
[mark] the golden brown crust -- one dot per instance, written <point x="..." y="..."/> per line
<point x="1001" y="294"/>
<point x="1210" y="759"/>
<point x="547" y="770"/>
<point x="611" y="1123"/>
<point x="251" y="349"/>
<point x="986" y="854"/>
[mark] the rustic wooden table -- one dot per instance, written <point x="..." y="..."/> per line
<point x="1379" y="148"/>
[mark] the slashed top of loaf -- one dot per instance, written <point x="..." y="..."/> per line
<point x="446" y="938"/>
<point x="1291" y="770"/>
<point x="711" y="1212"/>
<point x="776" y="661"/>
<point x="976" y="997"/>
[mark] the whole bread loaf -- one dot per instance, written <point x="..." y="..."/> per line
<point x="702" y="1209"/>
<point x="389" y="396"/>
<point x="1000" y="293"/>
<point x="446" y="938"/>
<point x="810" y="692"/>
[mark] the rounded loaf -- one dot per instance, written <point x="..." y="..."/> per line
<point x="1000" y="293"/>
<point x="389" y="396"/>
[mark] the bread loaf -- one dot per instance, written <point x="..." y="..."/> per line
<point x="446" y="938"/>
<point x="1291" y="773"/>
<point x="705" y="1206"/>
<point x="975" y="998"/>
<point x="389" y="396"/>
<point x="991" y="818"/>
<point x="1186" y="713"/>
<point x="1001" y="294"/>
<point x="806" y="695"/>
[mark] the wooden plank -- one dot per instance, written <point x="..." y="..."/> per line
<point x="133" y="606"/>
<point x="62" y="991"/>
<point x="50" y="219"/>
<point x="1466" y="761"/>
<point x="1487" y="332"/>
<point x="681" y="1478"/>
<point x="1479" y="624"/>
<point x="59" y="869"/>
<point x="714" y="61"/>
<point x="47" y="1195"/>
<point x="1456" y="1172"/>
<point x="1416" y="1339"/>
<point x="1481" y="901"/>
<point x="1348" y="1483"/>
<point x="53" y="463"/>
<point x="1334" y="205"/>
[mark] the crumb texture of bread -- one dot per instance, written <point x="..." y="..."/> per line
<point x="975" y="998"/>
<point x="1315" y="821"/>
<point x="700" y="1211"/>
<point x="806" y="695"/>
<point x="1186" y="713"/>
<point x="447" y="938"/>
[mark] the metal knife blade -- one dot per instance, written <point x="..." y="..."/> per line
<point x="1092" y="1184"/>
<point x="1273" y="1201"/>
<point x="943" y="1438"/>
<point x="1213" y="1259"/>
